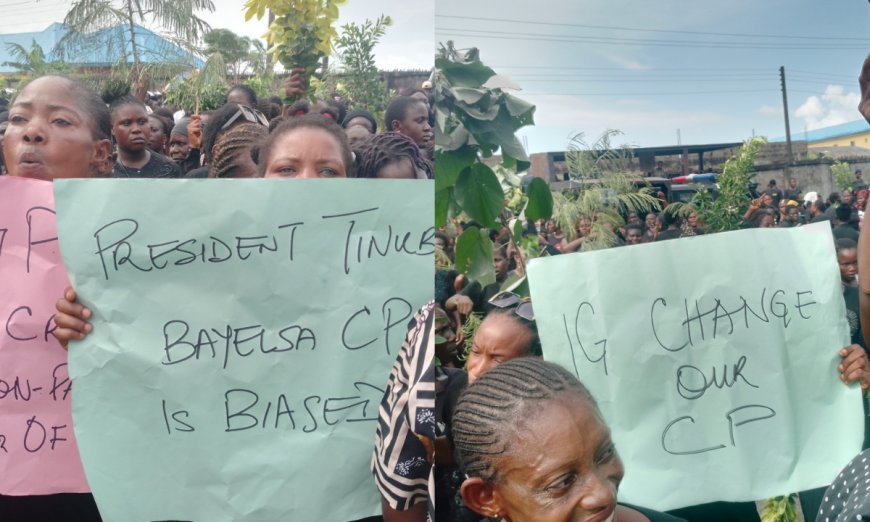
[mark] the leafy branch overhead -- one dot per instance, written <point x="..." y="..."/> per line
<point x="302" y="31"/>
<point x="474" y="121"/>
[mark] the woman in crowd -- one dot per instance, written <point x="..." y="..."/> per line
<point x="390" y="155"/>
<point x="161" y="128"/>
<point x="409" y="116"/>
<point x="534" y="447"/>
<point x="235" y="152"/>
<point x="131" y="130"/>
<point x="58" y="128"/>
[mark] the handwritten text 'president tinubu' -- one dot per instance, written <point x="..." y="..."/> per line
<point x="121" y="247"/>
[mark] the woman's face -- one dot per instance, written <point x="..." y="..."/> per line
<point x="848" y="261"/>
<point x="650" y="221"/>
<point x="131" y="128"/>
<point x="179" y="146"/>
<point x="561" y="466"/>
<point x="766" y="222"/>
<point x="49" y="134"/>
<point x="157" y="142"/>
<point x="693" y="220"/>
<point x="498" y="339"/>
<point x="632" y="218"/>
<point x="847" y="197"/>
<point x="766" y="200"/>
<point x="415" y="124"/>
<point x="306" y="152"/>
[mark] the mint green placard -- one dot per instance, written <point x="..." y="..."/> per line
<point x="244" y="332"/>
<point x="713" y="359"/>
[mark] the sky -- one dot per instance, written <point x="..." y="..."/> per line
<point x="407" y="44"/>
<point x="669" y="71"/>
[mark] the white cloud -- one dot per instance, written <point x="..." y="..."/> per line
<point x="833" y="107"/>
<point x="770" y="111"/>
<point x="628" y="63"/>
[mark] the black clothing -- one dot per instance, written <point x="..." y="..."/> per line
<point x="671" y="233"/>
<point x="158" y="166"/>
<point x="719" y="512"/>
<point x="201" y="172"/>
<point x="845" y="231"/>
<point x="68" y="507"/>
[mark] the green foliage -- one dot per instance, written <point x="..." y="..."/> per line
<point x="606" y="192"/>
<point x="726" y="211"/>
<point x="474" y="255"/>
<point x="89" y="18"/>
<point x="780" y="509"/>
<point x="302" y="31"/>
<point x="468" y="114"/>
<point x="842" y="175"/>
<point x="265" y="85"/>
<point x="205" y="90"/>
<point x="593" y="161"/>
<point x="540" y="205"/>
<point x="234" y="49"/>
<point x="469" y="328"/>
<point x="33" y="62"/>
<point x="474" y="121"/>
<point x="362" y="81"/>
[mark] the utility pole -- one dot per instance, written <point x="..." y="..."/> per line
<point x="785" y="111"/>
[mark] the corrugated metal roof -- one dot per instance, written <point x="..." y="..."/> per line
<point x="828" y="133"/>
<point x="105" y="48"/>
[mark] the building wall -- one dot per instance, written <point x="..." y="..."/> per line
<point x="854" y="140"/>
<point x="810" y="176"/>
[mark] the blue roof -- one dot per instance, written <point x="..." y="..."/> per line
<point x="104" y="48"/>
<point x="828" y="133"/>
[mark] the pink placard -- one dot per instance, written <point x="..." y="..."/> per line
<point x="38" y="452"/>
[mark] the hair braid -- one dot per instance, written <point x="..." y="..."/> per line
<point x="380" y="150"/>
<point x="228" y="144"/>
<point x="487" y="410"/>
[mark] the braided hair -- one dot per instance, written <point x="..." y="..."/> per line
<point x="380" y="150"/>
<point x="247" y="136"/>
<point x="489" y="408"/>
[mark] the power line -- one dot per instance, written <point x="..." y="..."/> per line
<point x="624" y="69"/>
<point x="635" y="41"/>
<point x="640" y="29"/>
<point x="641" y="94"/>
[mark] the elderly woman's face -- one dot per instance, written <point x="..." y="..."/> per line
<point x="561" y="466"/>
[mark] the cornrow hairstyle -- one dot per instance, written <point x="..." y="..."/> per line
<point x="488" y="409"/>
<point x="397" y="108"/>
<point x="249" y="93"/>
<point x="308" y="121"/>
<point x="380" y="150"/>
<point x="214" y="125"/>
<point x="229" y="144"/>
<point x="124" y="101"/>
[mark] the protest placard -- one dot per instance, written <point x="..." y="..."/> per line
<point x="713" y="359"/>
<point x="38" y="453"/>
<point x="244" y="331"/>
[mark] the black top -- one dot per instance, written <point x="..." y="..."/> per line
<point x="848" y="498"/>
<point x="158" y="166"/>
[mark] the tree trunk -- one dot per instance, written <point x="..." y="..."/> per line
<point x="136" y="65"/>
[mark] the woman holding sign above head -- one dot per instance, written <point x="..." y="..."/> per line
<point x="58" y="128"/>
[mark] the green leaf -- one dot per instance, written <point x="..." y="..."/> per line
<point x="474" y="255"/>
<point x="468" y="95"/>
<point x="464" y="74"/>
<point x="479" y="194"/>
<point x="442" y="205"/>
<point x="517" y="230"/>
<point x="540" y="204"/>
<point x="448" y="165"/>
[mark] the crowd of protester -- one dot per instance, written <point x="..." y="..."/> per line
<point x="500" y="409"/>
<point x="56" y="127"/>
